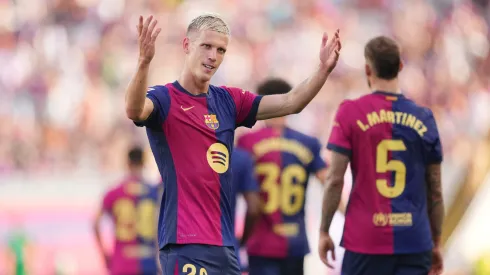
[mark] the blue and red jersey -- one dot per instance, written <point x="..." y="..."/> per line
<point x="284" y="159"/>
<point x="390" y="141"/>
<point x="191" y="137"/>
<point x="133" y="207"/>
<point x="244" y="181"/>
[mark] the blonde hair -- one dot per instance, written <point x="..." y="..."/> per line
<point x="208" y="21"/>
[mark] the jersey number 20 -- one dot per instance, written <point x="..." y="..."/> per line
<point x="134" y="220"/>
<point x="286" y="196"/>
<point x="384" y="165"/>
<point x="190" y="269"/>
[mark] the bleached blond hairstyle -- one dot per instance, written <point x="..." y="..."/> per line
<point x="208" y="21"/>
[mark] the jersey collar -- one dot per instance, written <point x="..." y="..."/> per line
<point x="181" y="89"/>
<point x="388" y="93"/>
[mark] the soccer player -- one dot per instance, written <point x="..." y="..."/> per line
<point x="245" y="184"/>
<point x="132" y="206"/>
<point x="190" y="125"/>
<point x="395" y="211"/>
<point x="284" y="159"/>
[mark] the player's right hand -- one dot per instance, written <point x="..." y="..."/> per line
<point x="326" y="244"/>
<point x="437" y="262"/>
<point x="147" y="36"/>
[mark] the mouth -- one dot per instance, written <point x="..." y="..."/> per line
<point x="209" y="67"/>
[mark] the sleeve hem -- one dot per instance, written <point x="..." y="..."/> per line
<point x="321" y="167"/>
<point x="339" y="149"/>
<point x="251" y="118"/>
<point x="435" y="161"/>
<point x="150" y="117"/>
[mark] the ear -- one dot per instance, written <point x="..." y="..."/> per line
<point x="367" y="69"/>
<point x="401" y="66"/>
<point x="186" y="43"/>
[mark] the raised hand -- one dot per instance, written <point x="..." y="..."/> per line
<point x="147" y="37"/>
<point x="329" y="51"/>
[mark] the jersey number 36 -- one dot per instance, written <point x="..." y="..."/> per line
<point x="287" y="196"/>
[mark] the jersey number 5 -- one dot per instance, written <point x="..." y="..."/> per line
<point x="287" y="195"/>
<point x="384" y="165"/>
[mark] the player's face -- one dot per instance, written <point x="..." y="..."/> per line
<point x="205" y="53"/>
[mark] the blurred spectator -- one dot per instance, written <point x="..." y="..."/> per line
<point x="65" y="66"/>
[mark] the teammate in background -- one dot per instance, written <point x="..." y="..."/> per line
<point x="395" y="211"/>
<point x="133" y="206"/>
<point x="245" y="184"/>
<point x="190" y="126"/>
<point x="284" y="159"/>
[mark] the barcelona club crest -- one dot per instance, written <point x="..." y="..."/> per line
<point x="211" y="121"/>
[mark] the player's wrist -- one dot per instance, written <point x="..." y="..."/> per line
<point x="324" y="233"/>
<point x="143" y="63"/>
<point x="324" y="70"/>
<point x="437" y="242"/>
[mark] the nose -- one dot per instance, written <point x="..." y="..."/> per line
<point x="212" y="55"/>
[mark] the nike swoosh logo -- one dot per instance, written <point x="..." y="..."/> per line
<point x="186" y="109"/>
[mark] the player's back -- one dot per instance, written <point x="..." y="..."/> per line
<point x="284" y="159"/>
<point x="132" y="206"/>
<point x="390" y="141"/>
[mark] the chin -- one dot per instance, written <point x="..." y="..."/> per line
<point x="203" y="77"/>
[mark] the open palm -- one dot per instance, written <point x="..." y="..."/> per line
<point x="146" y="38"/>
<point x="330" y="50"/>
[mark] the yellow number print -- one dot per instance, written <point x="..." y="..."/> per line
<point x="192" y="270"/>
<point x="134" y="220"/>
<point x="383" y="166"/>
<point x="270" y="171"/>
<point x="124" y="213"/>
<point x="287" y="196"/>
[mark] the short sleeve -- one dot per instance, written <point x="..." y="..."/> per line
<point x="246" y="104"/>
<point x="432" y="141"/>
<point x="248" y="180"/>
<point x="340" y="137"/>
<point x="317" y="163"/>
<point x="161" y="102"/>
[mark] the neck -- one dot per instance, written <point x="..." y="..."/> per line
<point x="390" y="86"/>
<point x="277" y="126"/>
<point x="135" y="172"/>
<point x="191" y="84"/>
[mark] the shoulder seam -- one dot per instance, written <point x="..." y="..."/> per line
<point x="229" y="93"/>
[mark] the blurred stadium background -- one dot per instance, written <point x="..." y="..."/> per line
<point x="64" y="66"/>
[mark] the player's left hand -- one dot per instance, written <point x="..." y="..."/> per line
<point x="437" y="262"/>
<point x="330" y="51"/>
<point x="326" y="244"/>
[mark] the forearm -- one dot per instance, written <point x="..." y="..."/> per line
<point x="331" y="201"/>
<point x="304" y="93"/>
<point x="436" y="216"/>
<point x="435" y="202"/>
<point x="250" y="221"/>
<point x="136" y="92"/>
<point x="98" y="241"/>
